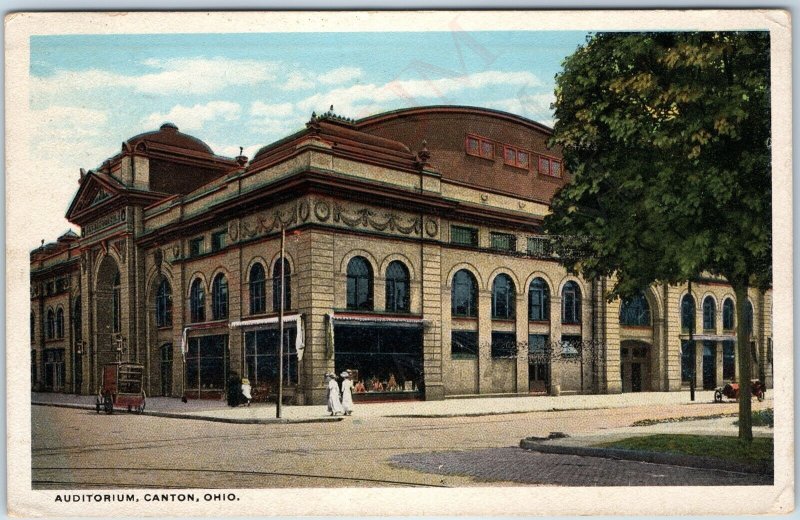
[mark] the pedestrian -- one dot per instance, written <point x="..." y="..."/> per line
<point x="234" y="389"/>
<point x="334" y="403"/>
<point x="347" y="393"/>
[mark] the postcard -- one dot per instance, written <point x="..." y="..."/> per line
<point x="399" y="263"/>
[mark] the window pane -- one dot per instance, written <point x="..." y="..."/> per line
<point x="464" y="294"/>
<point x="544" y="166"/>
<point x="464" y="235"/>
<point x="555" y="168"/>
<point x="504" y="344"/>
<point x="464" y="344"/>
<point x="709" y="314"/>
<point x="472" y="146"/>
<point x="503" y="241"/>
<point x="522" y="159"/>
<point x="538" y="301"/>
<point x="728" y="314"/>
<point x="487" y="149"/>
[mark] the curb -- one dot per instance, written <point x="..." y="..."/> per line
<point x="672" y="459"/>
<point x="169" y="415"/>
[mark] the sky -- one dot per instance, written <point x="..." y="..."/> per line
<point x="89" y="93"/>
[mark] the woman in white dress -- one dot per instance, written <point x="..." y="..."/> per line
<point x="347" y="393"/>
<point x="334" y="404"/>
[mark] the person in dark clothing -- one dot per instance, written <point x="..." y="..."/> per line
<point x="234" y="389"/>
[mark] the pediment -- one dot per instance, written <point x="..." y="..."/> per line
<point x="93" y="191"/>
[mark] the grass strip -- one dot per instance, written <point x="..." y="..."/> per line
<point x="716" y="446"/>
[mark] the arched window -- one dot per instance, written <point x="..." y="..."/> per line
<point x="538" y="301"/>
<point x="33" y="327"/>
<point x="464" y="294"/>
<point x="687" y="313"/>
<point x="77" y="320"/>
<point x="397" y="291"/>
<point x="571" y="303"/>
<point x="359" y="284"/>
<point x="503" y="298"/>
<point x="709" y="314"/>
<point x="197" y="301"/>
<point x="116" y="304"/>
<point x="219" y="297"/>
<point x="164" y="304"/>
<point x="748" y="317"/>
<point x="50" y="330"/>
<point x="634" y="311"/>
<point x="60" y="323"/>
<point x="276" y="285"/>
<point x="258" y="300"/>
<point x="728" y="314"/>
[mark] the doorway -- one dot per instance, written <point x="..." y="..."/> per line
<point x="709" y="365"/>
<point x="635" y="366"/>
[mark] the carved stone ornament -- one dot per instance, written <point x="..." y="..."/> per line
<point x="431" y="228"/>
<point x="176" y="251"/>
<point x="391" y="222"/>
<point x="233" y="230"/>
<point x="84" y="261"/>
<point x="322" y="210"/>
<point x="158" y="256"/>
<point x="303" y="210"/>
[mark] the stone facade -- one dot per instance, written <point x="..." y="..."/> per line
<point x="346" y="193"/>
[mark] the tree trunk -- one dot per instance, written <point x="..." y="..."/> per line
<point x="743" y="352"/>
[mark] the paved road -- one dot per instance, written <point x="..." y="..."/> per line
<point x="78" y="449"/>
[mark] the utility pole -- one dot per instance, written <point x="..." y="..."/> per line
<point x="280" y="326"/>
<point x="691" y="343"/>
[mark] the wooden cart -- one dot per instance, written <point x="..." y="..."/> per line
<point x="731" y="391"/>
<point x="121" y="388"/>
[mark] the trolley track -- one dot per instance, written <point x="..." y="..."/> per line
<point x="248" y="473"/>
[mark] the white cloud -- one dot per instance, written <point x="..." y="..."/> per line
<point x="340" y="75"/>
<point x="176" y="76"/>
<point x="297" y="81"/>
<point x="411" y="91"/>
<point x="195" y="117"/>
<point x="259" y="108"/>
<point x="535" y="106"/>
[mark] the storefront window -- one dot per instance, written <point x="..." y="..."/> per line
<point x="728" y="360"/>
<point x="464" y="344"/>
<point x="207" y="365"/>
<point x="261" y="356"/>
<point x="504" y="344"/>
<point x="687" y="361"/>
<point x="387" y="358"/>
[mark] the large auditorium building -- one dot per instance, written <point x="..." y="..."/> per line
<point x="414" y="257"/>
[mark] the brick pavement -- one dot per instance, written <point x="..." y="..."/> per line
<point x="526" y="467"/>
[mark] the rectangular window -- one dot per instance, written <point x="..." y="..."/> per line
<point x="480" y="147"/>
<point x="464" y="236"/>
<point x="537" y="344"/>
<point x="687" y="361"/>
<point x="503" y="241"/>
<point x="539" y="247"/>
<point x="504" y="344"/>
<point x="464" y="344"/>
<point x="218" y="240"/>
<point x="550" y="166"/>
<point x="571" y="346"/>
<point x="728" y="360"/>
<point x="196" y="246"/>
<point x="515" y="157"/>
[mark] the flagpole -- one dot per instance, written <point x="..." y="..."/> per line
<point x="280" y="321"/>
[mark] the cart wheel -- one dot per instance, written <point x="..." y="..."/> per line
<point x="108" y="404"/>
<point x="718" y="396"/>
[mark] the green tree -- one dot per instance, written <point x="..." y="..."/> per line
<point x="667" y="137"/>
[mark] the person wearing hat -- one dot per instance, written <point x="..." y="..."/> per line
<point x="347" y="393"/>
<point x="334" y="403"/>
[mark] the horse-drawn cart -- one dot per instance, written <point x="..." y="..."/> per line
<point x="731" y="391"/>
<point x="121" y="387"/>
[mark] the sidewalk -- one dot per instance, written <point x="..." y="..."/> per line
<point x="258" y="413"/>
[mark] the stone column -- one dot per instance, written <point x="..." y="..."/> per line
<point x="484" y="341"/>
<point x="718" y="363"/>
<point x="555" y="340"/>
<point x="612" y="346"/>
<point x="521" y="328"/>
<point x="432" y="316"/>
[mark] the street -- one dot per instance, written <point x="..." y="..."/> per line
<point x="79" y="449"/>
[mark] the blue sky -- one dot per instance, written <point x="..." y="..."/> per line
<point x="88" y="93"/>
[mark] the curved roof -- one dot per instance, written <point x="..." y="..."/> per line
<point x="169" y="135"/>
<point x="451" y="109"/>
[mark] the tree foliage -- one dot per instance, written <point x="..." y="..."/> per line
<point x="667" y="136"/>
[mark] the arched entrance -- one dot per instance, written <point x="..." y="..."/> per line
<point x="108" y="314"/>
<point x="635" y="366"/>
